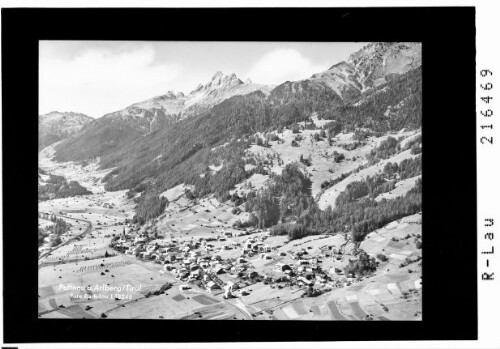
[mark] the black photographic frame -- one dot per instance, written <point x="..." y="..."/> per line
<point x="449" y="140"/>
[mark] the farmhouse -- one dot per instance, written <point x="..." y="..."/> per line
<point x="282" y="267"/>
<point x="266" y="248"/>
<point x="139" y="240"/>
<point x="334" y="271"/>
<point x="302" y="261"/>
<point x="304" y="281"/>
<point x="212" y="286"/>
<point x="195" y="274"/>
<point x="145" y="254"/>
<point x="218" y="269"/>
<point x="204" y="265"/>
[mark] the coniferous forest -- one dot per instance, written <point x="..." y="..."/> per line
<point x="58" y="187"/>
<point x="183" y="152"/>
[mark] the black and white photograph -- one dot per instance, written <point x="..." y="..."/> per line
<point x="230" y="180"/>
<point x="189" y="166"/>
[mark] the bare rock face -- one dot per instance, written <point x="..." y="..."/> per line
<point x="343" y="78"/>
<point x="219" y="80"/>
<point x="170" y="107"/>
<point x="219" y="88"/>
<point x="369" y="67"/>
<point x="376" y="61"/>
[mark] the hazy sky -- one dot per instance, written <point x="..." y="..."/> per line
<point x="99" y="77"/>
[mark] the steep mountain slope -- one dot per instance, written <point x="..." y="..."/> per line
<point x="181" y="153"/>
<point x="219" y="88"/>
<point x="376" y="62"/>
<point x="335" y="90"/>
<point x="392" y="105"/>
<point x="160" y="157"/>
<point x="343" y="78"/>
<point x="154" y="113"/>
<point x="56" y="126"/>
<point x="369" y="67"/>
<point x="122" y="127"/>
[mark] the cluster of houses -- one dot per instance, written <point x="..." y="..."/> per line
<point x="305" y="271"/>
<point x="253" y="246"/>
<point x="193" y="260"/>
<point x="197" y="261"/>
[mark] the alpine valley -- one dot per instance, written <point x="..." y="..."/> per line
<point x="240" y="200"/>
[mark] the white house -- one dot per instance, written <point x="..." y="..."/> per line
<point x="212" y="286"/>
<point x="281" y="267"/>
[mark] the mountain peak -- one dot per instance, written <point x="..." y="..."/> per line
<point x="219" y="80"/>
<point x="173" y="95"/>
<point x="232" y="80"/>
<point x="340" y="65"/>
<point x="55" y="126"/>
<point x="64" y="114"/>
<point x="217" y="76"/>
<point x="378" y="59"/>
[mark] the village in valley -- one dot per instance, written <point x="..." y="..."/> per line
<point x="195" y="261"/>
<point x="300" y="200"/>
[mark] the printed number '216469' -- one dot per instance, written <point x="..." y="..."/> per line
<point x="487" y="113"/>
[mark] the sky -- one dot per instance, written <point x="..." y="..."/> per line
<point x="99" y="77"/>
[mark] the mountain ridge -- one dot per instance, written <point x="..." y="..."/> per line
<point x="341" y="86"/>
<point x="118" y="128"/>
<point x="55" y="126"/>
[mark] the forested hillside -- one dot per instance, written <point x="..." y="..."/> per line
<point x="163" y="154"/>
<point x="182" y="152"/>
<point x="394" y="105"/>
<point x="151" y="160"/>
<point x="58" y="187"/>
